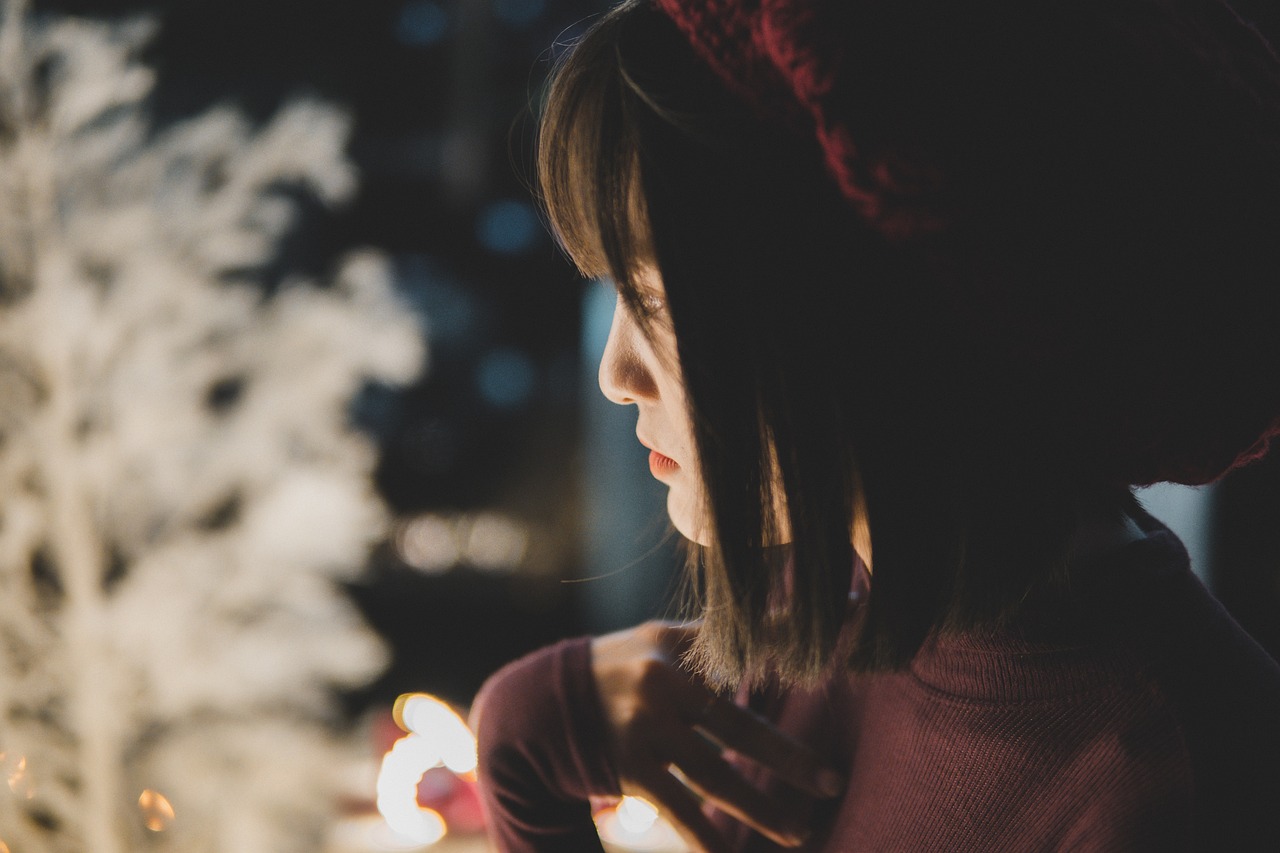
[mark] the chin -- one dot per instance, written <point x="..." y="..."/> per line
<point x="686" y="516"/>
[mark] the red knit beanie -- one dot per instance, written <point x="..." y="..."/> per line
<point x="1190" y="387"/>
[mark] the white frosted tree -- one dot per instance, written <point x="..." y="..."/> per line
<point x="180" y="486"/>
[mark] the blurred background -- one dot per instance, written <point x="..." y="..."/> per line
<point x="491" y="461"/>
<point x="521" y="509"/>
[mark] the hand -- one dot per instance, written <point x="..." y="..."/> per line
<point x="659" y="720"/>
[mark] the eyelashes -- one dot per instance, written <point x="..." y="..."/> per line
<point x="647" y="304"/>
<point x="651" y="306"/>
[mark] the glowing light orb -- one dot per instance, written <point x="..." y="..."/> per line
<point x="636" y="815"/>
<point x="157" y="811"/>
<point x="429" y="543"/>
<point x="436" y="737"/>
<point x="445" y="734"/>
<point x="371" y="834"/>
<point x="402" y="769"/>
<point x="13" y="768"/>
<point x="635" y="825"/>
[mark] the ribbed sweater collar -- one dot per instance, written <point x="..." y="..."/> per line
<point x="1077" y="646"/>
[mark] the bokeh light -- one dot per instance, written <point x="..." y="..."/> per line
<point x="506" y="378"/>
<point x="402" y="769"/>
<point x="429" y="543"/>
<point x="635" y="824"/>
<point x="157" y="811"/>
<point x="518" y="13"/>
<point x="636" y="815"/>
<point x="495" y="542"/>
<point x="16" y="774"/>
<point x="434" y="543"/>
<point x="422" y="23"/>
<point x="508" y="227"/>
<point x="436" y="736"/>
<point x="447" y="738"/>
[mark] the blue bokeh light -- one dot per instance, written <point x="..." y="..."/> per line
<point x="518" y="13"/>
<point x="451" y="316"/>
<point x="422" y="23"/>
<point x="508" y="227"/>
<point x="506" y="378"/>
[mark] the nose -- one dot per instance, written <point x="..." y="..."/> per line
<point x="624" y="376"/>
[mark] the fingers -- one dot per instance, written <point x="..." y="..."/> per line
<point x="703" y="768"/>
<point x="744" y="732"/>
<point x="683" y="809"/>
<point x="662" y="722"/>
<point x="752" y="736"/>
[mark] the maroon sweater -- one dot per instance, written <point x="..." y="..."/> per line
<point x="1137" y="716"/>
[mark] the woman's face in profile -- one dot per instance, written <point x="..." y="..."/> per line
<point x="639" y="368"/>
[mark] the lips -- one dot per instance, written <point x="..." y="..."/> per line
<point x="659" y="462"/>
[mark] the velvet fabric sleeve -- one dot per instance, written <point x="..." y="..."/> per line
<point x="540" y="730"/>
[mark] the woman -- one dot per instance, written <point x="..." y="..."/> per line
<point x="917" y="291"/>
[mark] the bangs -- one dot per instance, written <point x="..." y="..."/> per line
<point x="589" y="160"/>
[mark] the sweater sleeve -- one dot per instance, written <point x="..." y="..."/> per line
<point x="540" y="730"/>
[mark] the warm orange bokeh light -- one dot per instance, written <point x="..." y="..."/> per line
<point x="14" y="770"/>
<point x="635" y="824"/>
<point x="157" y="811"/>
<point x="436" y="736"/>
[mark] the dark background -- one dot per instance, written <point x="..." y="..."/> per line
<point x="442" y="93"/>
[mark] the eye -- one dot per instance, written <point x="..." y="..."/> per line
<point x="651" y="305"/>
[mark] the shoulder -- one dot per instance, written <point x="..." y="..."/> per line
<point x="538" y="730"/>
<point x="1004" y="747"/>
<point x="1212" y="696"/>
<point x="540" y="715"/>
<point x="522" y="699"/>
<point x="1224" y="691"/>
<point x="1136" y="717"/>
